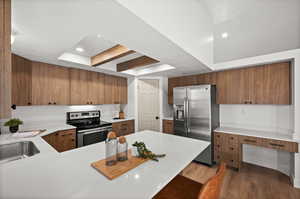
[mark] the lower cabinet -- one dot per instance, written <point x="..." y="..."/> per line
<point x="228" y="147"/>
<point x="168" y="126"/>
<point x="62" y="140"/>
<point x="123" y="128"/>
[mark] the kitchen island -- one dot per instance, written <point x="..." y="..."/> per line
<point x="69" y="174"/>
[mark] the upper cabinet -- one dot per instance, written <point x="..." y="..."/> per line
<point x="208" y="78"/>
<point x="79" y="87"/>
<point x="271" y="84"/>
<point x="50" y="84"/>
<point x="36" y="83"/>
<point x="21" y="81"/>
<point x="115" y="90"/>
<point x="266" y="84"/>
<point x="233" y="87"/>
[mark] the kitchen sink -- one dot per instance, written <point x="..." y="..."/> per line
<point x="17" y="150"/>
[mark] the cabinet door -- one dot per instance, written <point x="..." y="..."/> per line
<point x="21" y="81"/>
<point x="108" y="87"/>
<point x="271" y="84"/>
<point x="100" y="89"/>
<point x="123" y="90"/>
<point x="40" y="87"/>
<point x="66" y="140"/>
<point x="59" y="85"/>
<point x="233" y="87"/>
<point x="115" y="90"/>
<point x="79" y="86"/>
<point x="92" y="82"/>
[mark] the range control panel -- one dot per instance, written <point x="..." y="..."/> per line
<point x="83" y="115"/>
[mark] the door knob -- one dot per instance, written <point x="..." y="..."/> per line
<point x="156" y="117"/>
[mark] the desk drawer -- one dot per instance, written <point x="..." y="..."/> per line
<point x="251" y="140"/>
<point x="280" y="145"/>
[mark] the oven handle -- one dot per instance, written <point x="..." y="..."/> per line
<point x="96" y="129"/>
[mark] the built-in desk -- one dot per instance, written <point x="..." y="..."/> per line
<point x="228" y="143"/>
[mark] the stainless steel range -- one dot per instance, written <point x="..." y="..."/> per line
<point x="90" y="129"/>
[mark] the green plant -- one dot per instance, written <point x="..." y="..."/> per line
<point x="13" y="122"/>
<point x="145" y="153"/>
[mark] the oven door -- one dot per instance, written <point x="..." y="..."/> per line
<point x="92" y="136"/>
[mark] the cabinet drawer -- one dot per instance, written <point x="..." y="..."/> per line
<point x="67" y="133"/>
<point x="251" y="140"/>
<point x="280" y="145"/>
<point x="232" y="139"/>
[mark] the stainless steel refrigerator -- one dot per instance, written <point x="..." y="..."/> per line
<point x="196" y="115"/>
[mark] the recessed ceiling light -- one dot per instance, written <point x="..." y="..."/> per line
<point x="224" y="35"/>
<point x="79" y="49"/>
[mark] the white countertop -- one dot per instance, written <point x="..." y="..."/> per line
<point x="41" y="144"/>
<point x="167" y="118"/>
<point x="69" y="174"/>
<point x="256" y="133"/>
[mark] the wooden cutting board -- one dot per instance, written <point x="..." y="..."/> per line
<point x="112" y="172"/>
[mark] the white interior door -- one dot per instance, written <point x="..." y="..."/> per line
<point x="148" y="105"/>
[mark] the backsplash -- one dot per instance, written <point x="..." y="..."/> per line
<point x="276" y="118"/>
<point x="58" y="113"/>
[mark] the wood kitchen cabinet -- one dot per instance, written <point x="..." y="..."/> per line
<point x="37" y="83"/>
<point x="50" y="84"/>
<point x="271" y="84"/>
<point x="109" y="88"/>
<point x="123" y="128"/>
<point x="233" y="87"/>
<point x="115" y="90"/>
<point x="21" y="81"/>
<point x="122" y="90"/>
<point x="79" y="86"/>
<point x="168" y="126"/>
<point x="191" y="80"/>
<point x="266" y="84"/>
<point x="62" y="140"/>
<point x="228" y="147"/>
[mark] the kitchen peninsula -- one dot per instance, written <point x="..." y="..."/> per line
<point x="69" y="174"/>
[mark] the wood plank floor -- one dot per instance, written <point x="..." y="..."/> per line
<point x="251" y="182"/>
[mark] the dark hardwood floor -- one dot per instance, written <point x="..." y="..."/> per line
<point x="251" y="182"/>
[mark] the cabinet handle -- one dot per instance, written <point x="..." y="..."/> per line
<point x="247" y="140"/>
<point x="91" y="102"/>
<point x="218" y="145"/>
<point x="29" y="103"/>
<point x="231" y="138"/>
<point x="49" y="103"/>
<point x="231" y="148"/>
<point x="87" y="103"/>
<point x="54" y="103"/>
<point x="273" y="144"/>
<point x="245" y="102"/>
<point x="250" y="102"/>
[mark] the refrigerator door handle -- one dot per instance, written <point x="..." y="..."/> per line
<point x="185" y="115"/>
<point x="188" y="116"/>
